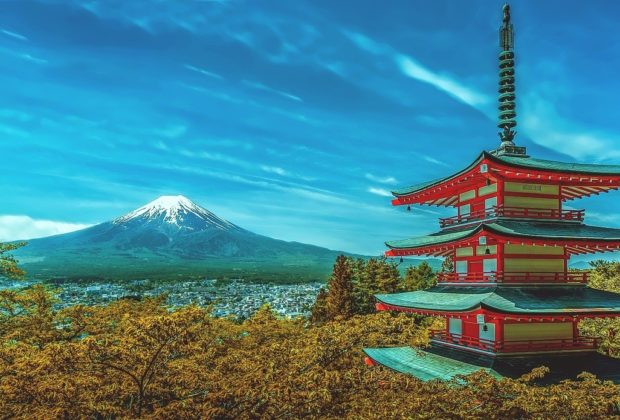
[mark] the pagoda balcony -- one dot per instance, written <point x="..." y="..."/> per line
<point x="571" y="277"/>
<point x="523" y="346"/>
<point x="513" y="212"/>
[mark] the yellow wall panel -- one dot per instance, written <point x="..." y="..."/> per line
<point x="538" y="331"/>
<point x="465" y="252"/>
<point x="525" y="265"/>
<point x="530" y="188"/>
<point x="487" y="189"/>
<point x="468" y="195"/>
<point x="533" y="249"/>
<point x="531" y="202"/>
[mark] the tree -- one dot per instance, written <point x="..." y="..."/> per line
<point x="339" y="302"/>
<point x="8" y="263"/>
<point x="447" y="265"/>
<point x="133" y="359"/>
<point x="604" y="276"/>
<point x="318" y="312"/>
<point x="419" y="278"/>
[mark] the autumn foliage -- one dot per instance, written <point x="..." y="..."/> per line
<point x="143" y="359"/>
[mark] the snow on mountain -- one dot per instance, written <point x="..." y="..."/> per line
<point x="171" y="237"/>
<point x="177" y="210"/>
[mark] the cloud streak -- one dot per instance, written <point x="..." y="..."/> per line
<point x="18" y="227"/>
<point x="204" y="72"/>
<point x="380" y="179"/>
<point x="379" y="191"/>
<point x="13" y="35"/>
<point x="265" y="88"/>
<point x="412" y="68"/>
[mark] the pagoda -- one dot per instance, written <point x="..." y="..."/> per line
<point x="510" y="303"/>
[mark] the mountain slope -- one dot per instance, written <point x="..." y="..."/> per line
<point x="173" y="237"/>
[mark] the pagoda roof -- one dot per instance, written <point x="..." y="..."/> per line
<point x="506" y="164"/>
<point x="550" y="231"/>
<point x="425" y="365"/>
<point x="512" y="300"/>
<point x="444" y="363"/>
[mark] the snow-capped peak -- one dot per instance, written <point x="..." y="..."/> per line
<point x="176" y="209"/>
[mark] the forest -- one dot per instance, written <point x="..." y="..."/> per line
<point x="142" y="359"/>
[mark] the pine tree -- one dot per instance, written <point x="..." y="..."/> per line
<point x="447" y="266"/>
<point x="419" y="278"/>
<point x="389" y="279"/>
<point x="340" y="302"/>
<point x="318" y="313"/>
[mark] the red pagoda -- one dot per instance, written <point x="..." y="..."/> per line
<point x="511" y="302"/>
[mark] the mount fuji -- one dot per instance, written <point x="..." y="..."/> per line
<point x="172" y="237"/>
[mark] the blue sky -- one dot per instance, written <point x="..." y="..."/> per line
<point x="290" y="119"/>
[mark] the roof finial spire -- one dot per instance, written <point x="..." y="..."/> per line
<point x="507" y="106"/>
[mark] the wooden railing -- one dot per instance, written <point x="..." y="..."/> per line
<point x="512" y="277"/>
<point x="516" y="212"/>
<point x="502" y="346"/>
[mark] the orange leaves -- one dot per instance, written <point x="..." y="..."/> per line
<point x="141" y="359"/>
<point x="8" y="263"/>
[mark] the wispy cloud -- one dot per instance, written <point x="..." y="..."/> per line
<point x="275" y="170"/>
<point x="412" y="68"/>
<point x="16" y="227"/>
<point x="379" y="191"/>
<point x="204" y="72"/>
<point x="434" y="161"/>
<point x="380" y="179"/>
<point x="265" y="88"/>
<point x="33" y="59"/>
<point x="545" y="126"/>
<point x="14" y="35"/>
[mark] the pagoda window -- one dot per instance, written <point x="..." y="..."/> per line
<point x="464" y="209"/>
<point x="486" y="331"/>
<point x="489" y="203"/>
<point x="489" y="265"/>
<point x="467" y="195"/>
<point x="465" y="252"/>
<point x="461" y="267"/>
<point x="455" y="326"/>
<point x="487" y="189"/>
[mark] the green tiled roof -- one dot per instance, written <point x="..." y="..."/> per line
<point x="512" y="300"/>
<point x="523" y="162"/>
<point x="421" y="364"/>
<point x="446" y="298"/>
<point x="549" y="230"/>
<point x="433" y="239"/>
<point x="550" y="165"/>
<point x="439" y="362"/>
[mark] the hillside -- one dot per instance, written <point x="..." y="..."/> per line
<point x="172" y="237"/>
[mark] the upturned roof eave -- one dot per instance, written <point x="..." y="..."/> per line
<point x="429" y="184"/>
<point x="497" y="228"/>
<point x="522" y="301"/>
<point x="517" y="162"/>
